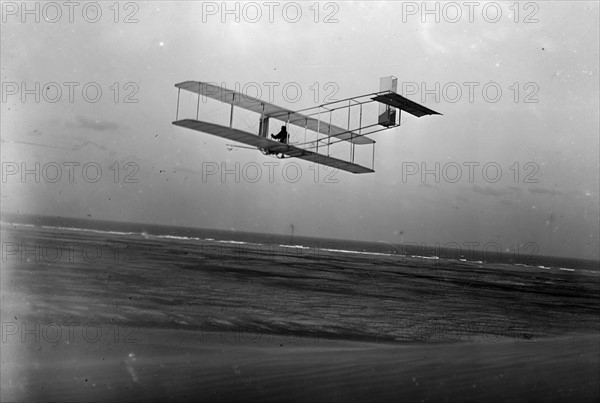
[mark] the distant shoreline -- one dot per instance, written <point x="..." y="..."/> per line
<point x="526" y="257"/>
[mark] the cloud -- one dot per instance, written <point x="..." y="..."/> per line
<point x="87" y="143"/>
<point x="187" y="170"/>
<point x="488" y="191"/>
<point x="545" y="191"/>
<point x="461" y="198"/>
<point x="29" y="143"/>
<point x="98" y="125"/>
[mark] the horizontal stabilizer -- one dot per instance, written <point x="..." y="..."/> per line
<point x="405" y="104"/>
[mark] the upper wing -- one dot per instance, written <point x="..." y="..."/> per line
<point x="273" y="146"/>
<point x="398" y="101"/>
<point x="269" y="110"/>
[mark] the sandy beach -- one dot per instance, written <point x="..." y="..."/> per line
<point x="180" y="322"/>
<point x="175" y="365"/>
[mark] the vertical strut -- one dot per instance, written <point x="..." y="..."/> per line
<point x="351" y="133"/>
<point x="262" y="117"/>
<point x="198" y="107"/>
<point x="177" y="113"/>
<point x="305" y="126"/>
<point x="373" y="160"/>
<point x="349" y="106"/>
<point x="359" y="129"/>
<point x="231" y="113"/>
<point x="263" y="126"/>
<point x="329" y="132"/>
<point x="287" y="124"/>
<point x="318" y="128"/>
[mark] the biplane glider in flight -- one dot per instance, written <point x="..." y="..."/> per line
<point x="314" y="136"/>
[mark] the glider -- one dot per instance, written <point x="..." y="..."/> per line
<point x="316" y="123"/>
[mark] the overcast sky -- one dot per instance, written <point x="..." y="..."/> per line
<point x="529" y="156"/>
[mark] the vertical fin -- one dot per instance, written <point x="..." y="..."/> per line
<point x="387" y="114"/>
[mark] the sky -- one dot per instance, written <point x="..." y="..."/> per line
<point x="89" y="97"/>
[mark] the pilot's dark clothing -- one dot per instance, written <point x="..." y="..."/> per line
<point x="282" y="136"/>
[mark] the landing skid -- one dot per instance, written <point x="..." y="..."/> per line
<point x="275" y="154"/>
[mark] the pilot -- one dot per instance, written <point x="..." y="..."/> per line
<point x="282" y="136"/>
